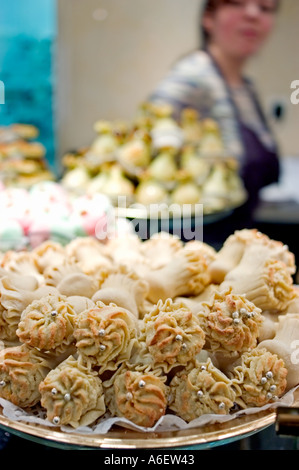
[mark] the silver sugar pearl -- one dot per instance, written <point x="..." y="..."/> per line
<point x="235" y="315"/>
<point x="2" y="383"/>
<point x="243" y="311"/>
<point x="269" y="395"/>
<point x="200" y="393"/>
<point x="141" y="384"/>
<point x="54" y="391"/>
<point x="101" y="332"/>
<point x="179" y="338"/>
<point x="56" y="420"/>
<point x="269" y="375"/>
<point x="236" y="321"/>
<point x="129" y="396"/>
<point x="54" y="313"/>
<point x="102" y="347"/>
<point x="184" y="346"/>
<point x="272" y="388"/>
<point x="67" y="397"/>
<point x="203" y="368"/>
<point x="221" y="405"/>
<point x="264" y="380"/>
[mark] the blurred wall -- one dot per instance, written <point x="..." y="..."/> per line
<point x="112" y="53"/>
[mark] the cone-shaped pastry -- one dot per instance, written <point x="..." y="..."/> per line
<point x="185" y="275"/>
<point x="89" y="253"/>
<point x="124" y="288"/>
<point x="285" y="345"/>
<point x="21" y="370"/>
<point x="200" y="389"/>
<point x="23" y="263"/>
<point x="231" y="253"/>
<point x="54" y="274"/>
<point x="265" y="281"/>
<point x="237" y="244"/>
<point x="80" y="303"/>
<point x="160" y="248"/>
<point x="78" y="284"/>
<point x="48" y="254"/>
<point x="126" y="250"/>
<point x="208" y="251"/>
<point x="48" y="324"/>
<point x="230" y="322"/>
<point x="293" y="306"/>
<point x="259" y="377"/>
<point x="140" y="396"/>
<point x="105" y="336"/>
<point x="72" y="394"/>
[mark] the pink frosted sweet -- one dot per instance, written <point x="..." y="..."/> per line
<point x="39" y="231"/>
<point x="90" y="211"/>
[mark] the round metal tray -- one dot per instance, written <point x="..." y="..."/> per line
<point x="119" y="438"/>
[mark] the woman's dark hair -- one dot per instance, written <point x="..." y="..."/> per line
<point x="211" y="6"/>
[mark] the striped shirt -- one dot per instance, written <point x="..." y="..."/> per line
<point x="196" y="82"/>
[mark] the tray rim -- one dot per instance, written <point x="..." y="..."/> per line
<point x="212" y="434"/>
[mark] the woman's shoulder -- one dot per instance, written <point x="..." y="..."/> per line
<point x="197" y="61"/>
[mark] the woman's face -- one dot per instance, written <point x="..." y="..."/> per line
<point x="240" y="27"/>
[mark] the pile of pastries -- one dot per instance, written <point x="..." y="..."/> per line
<point x="137" y="329"/>
<point x="156" y="159"/>
<point x="22" y="158"/>
<point x="47" y="211"/>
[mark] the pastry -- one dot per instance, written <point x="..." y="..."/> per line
<point x="48" y="254"/>
<point x="160" y="248"/>
<point x="72" y="394"/>
<point x="124" y="288"/>
<point x="80" y="303"/>
<point x="21" y="370"/>
<point x="185" y="274"/>
<point x="139" y="396"/>
<point x="48" y="324"/>
<point x="285" y="344"/>
<point x="199" y="389"/>
<point x="266" y="281"/>
<point x="13" y="300"/>
<point x="54" y="274"/>
<point x="170" y="336"/>
<point x="22" y="263"/>
<point x="88" y="253"/>
<point x="105" y="336"/>
<point x="230" y="322"/>
<point x="234" y="248"/>
<point x="259" y="378"/>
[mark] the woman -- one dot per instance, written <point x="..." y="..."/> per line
<point x="212" y="81"/>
